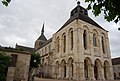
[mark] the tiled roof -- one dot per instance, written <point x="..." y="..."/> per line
<point x="10" y="49"/>
<point x="116" y="61"/>
<point x="24" y="48"/>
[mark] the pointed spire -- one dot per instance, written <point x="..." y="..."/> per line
<point x="42" y="31"/>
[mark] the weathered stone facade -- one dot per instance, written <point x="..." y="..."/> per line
<point x="19" y="68"/>
<point x="80" y="63"/>
<point x="79" y="50"/>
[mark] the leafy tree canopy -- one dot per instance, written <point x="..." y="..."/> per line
<point x="111" y="9"/>
<point x="6" y="2"/>
<point x="35" y="60"/>
<point x="4" y="63"/>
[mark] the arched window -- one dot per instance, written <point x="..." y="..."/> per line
<point x="70" y="67"/>
<point x="94" y="40"/>
<point x="57" y="69"/>
<point x="64" y="43"/>
<point x="65" y="71"/>
<point x="63" y="68"/>
<point x="71" y="40"/>
<point x="96" y="70"/>
<point x="86" y="69"/>
<point x="106" y="70"/>
<point x="85" y="39"/>
<point x="103" y="45"/>
<point x="58" y="44"/>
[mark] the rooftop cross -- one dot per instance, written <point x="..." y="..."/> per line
<point x="78" y="2"/>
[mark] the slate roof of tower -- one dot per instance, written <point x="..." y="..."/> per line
<point x="47" y="42"/>
<point x="42" y="37"/>
<point x="80" y="16"/>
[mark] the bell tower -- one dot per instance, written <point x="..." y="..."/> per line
<point x="41" y="40"/>
<point x="78" y="11"/>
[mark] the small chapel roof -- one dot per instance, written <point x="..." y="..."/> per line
<point x="116" y="61"/>
<point x="24" y="48"/>
<point x="42" y="37"/>
<point x="14" y="50"/>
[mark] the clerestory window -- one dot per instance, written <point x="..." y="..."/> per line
<point x="94" y="40"/>
<point x="85" y="39"/>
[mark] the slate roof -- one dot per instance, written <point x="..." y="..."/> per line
<point x="47" y="42"/>
<point x="10" y="49"/>
<point x="116" y="61"/>
<point x="82" y="14"/>
<point x="24" y="48"/>
<point x="42" y="37"/>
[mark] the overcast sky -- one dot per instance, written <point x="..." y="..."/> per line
<point x="22" y="20"/>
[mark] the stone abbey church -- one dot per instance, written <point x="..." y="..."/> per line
<point x="79" y="50"/>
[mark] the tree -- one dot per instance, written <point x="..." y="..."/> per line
<point x="4" y="63"/>
<point x="118" y="28"/>
<point x="34" y="63"/>
<point x="35" y="60"/>
<point x="6" y="2"/>
<point x="110" y="8"/>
